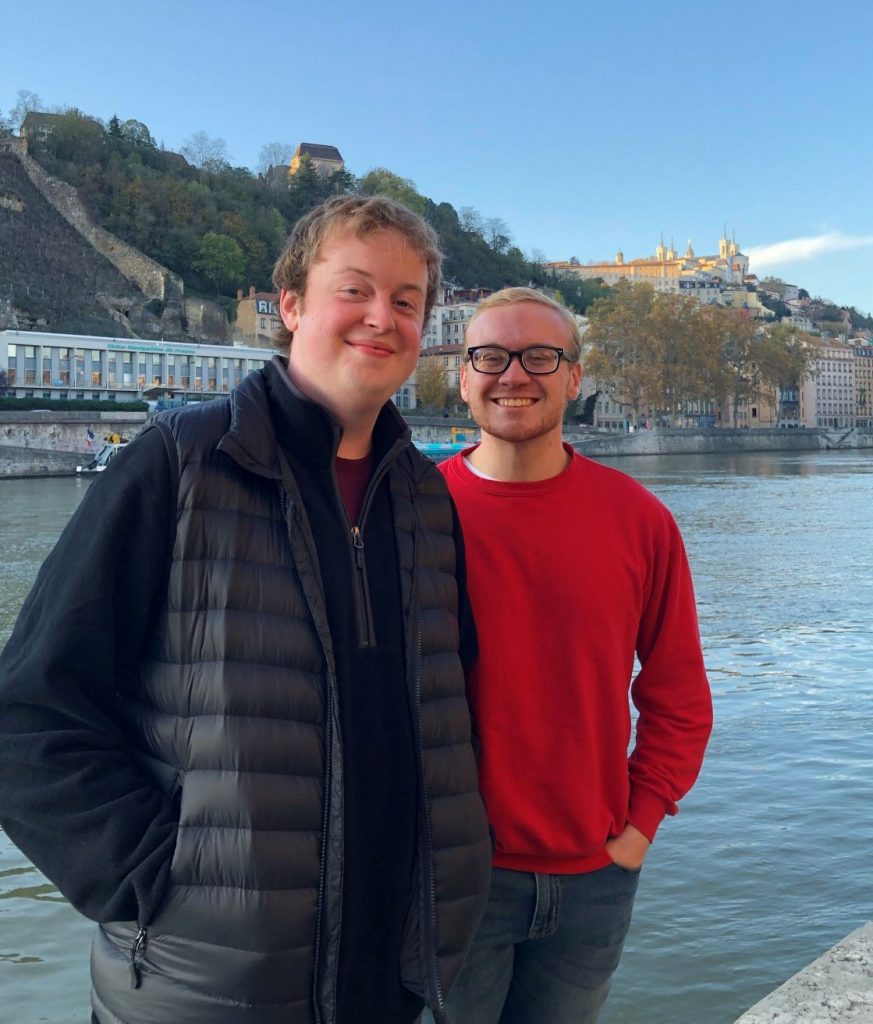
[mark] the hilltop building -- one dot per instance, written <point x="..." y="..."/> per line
<point x="36" y="126"/>
<point x="704" y="277"/>
<point x="325" y="159"/>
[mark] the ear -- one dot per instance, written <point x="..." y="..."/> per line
<point x="575" y="381"/>
<point x="290" y="308"/>
<point x="462" y="382"/>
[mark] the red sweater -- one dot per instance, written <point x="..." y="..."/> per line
<point x="568" y="579"/>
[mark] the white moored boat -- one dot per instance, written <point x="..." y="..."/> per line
<point x="102" y="459"/>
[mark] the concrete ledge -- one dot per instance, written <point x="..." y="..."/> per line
<point x="31" y="462"/>
<point x="835" y="989"/>
<point x="662" y="441"/>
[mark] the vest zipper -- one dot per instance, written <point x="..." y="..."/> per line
<point x="137" y="952"/>
<point x="364" y="624"/>
<point x="363" y="607"/>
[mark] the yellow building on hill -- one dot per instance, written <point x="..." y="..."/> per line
<point x="703" y="277"/>
<point x="325" y="159"/>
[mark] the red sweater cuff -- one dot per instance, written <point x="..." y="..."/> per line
<point x="647" y="810"/>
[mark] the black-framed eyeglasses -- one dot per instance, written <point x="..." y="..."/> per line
<point x="538" y="359"/>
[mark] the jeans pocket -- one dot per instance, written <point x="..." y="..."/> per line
<point x="632" y="872"/>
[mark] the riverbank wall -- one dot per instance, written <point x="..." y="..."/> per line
<point x="718" y="441"/>
<point x="835" y="989"/>
<point x="54" y="443"/>
<point x="35" y="462"/>
<point x="38" y="435"/>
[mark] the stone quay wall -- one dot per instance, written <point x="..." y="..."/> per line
<point x="35" y="462"/>
<point x="835" y="989"/>
<point x="59" y="432"/>
<point x="29" y="438"/>
<point x="714" y="442"/>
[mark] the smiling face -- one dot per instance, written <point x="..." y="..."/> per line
<point x="517" y="407"/>
<point x="357" y="328"/>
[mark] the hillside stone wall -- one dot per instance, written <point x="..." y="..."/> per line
<point x="152" y="279"/>
<point x="50" y="272"/>
<point x="62" y="267"/>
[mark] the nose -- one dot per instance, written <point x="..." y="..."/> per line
<point x="515" y="373"/>
<point x="380" y="313"/>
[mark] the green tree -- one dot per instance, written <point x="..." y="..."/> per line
<point x="431" y="383"/>
<point x="677" y="383"/>
<point x="306" y="189"/>
<point x="382" y="182"/>
<point x="784" y="359"/>
<point x="136" y="134"/>
<point x="736" y="335"/>
<point x="220" y="261"/>
<point x="622" y="356"/>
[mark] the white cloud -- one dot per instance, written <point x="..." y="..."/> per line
<point x="796" y="250"/>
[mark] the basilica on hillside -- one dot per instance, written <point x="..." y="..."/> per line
<point x="705" y="277"/>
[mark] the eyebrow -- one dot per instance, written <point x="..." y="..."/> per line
<point x="367" y="274"/>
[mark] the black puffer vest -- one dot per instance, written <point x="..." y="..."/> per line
<point x="235" y="716"/>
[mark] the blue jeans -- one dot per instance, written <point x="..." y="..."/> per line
<point x="546" y="949"/>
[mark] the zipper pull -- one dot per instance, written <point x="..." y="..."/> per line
<point x="358" y="542"/>
<point x="137" y="952"/>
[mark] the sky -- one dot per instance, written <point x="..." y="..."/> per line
<point x="587" y="128"/>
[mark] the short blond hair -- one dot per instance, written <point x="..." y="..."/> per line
<point x="513" y="296"/>
<point x="365" y="215"/>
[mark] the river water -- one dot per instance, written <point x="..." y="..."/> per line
<point x="768" y="864"/>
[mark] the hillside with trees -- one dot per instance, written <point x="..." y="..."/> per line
<point x="221" y="227"/>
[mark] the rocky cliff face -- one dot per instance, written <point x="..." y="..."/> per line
<point x="60" y="271"/>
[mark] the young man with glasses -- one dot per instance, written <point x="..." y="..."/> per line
<point x="574" y="569"/>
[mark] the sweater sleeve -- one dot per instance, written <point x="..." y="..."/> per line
<point x="671" y="691"/>
<point x="71" y="796"/>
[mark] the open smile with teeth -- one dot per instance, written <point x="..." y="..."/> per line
<point x="514" y="403"/>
